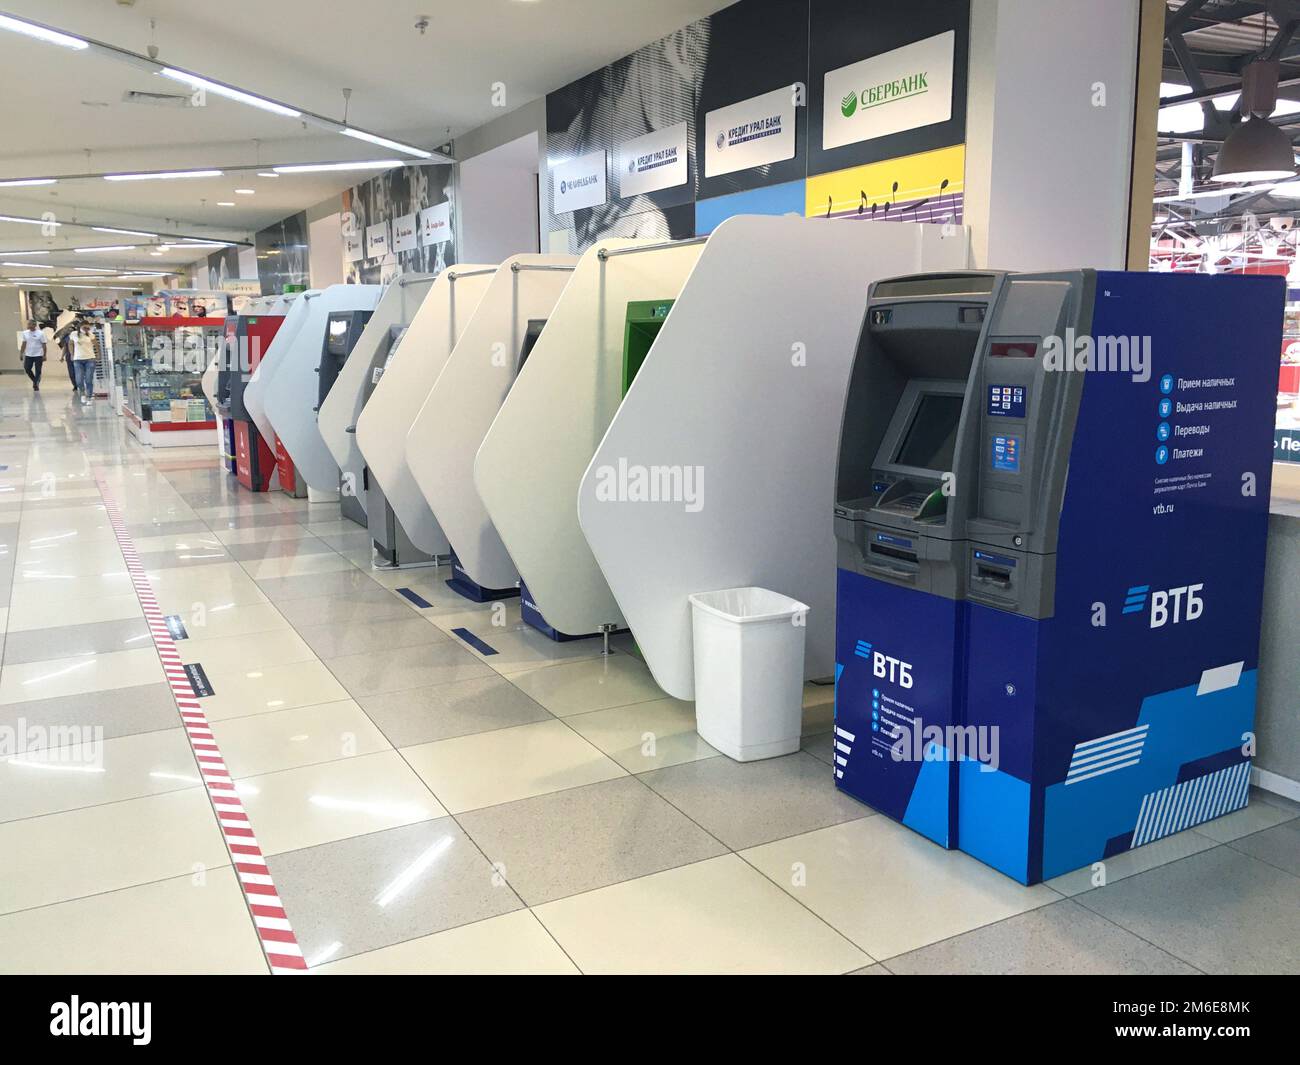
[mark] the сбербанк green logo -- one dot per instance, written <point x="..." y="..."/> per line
<point x="849" y="104"/>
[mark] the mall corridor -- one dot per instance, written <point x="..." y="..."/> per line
<point x="426" y="802"/>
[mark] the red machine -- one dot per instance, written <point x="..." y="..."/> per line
<point x="255" y="462"/>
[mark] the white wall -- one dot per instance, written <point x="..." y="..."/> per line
<point x="1047" y="170"/>
<point x="497" y="202"/>
<point x="325" y="251"/>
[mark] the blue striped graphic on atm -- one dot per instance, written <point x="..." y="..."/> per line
<point x="863" y="649"/>
<point x="1136" y="599"/>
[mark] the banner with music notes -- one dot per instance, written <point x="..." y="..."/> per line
<point x="926" y="187"/>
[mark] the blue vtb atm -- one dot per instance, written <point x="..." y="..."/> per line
<point x="1051" y="512"/>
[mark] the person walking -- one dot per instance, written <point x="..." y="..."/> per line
<point x="83" y="362"/>
<point x="33" y="353"/>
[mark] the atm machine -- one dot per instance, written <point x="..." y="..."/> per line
<point x="392" y="546"/>
<point x="248" y="336"/>
<point x="644" y="320"/>
<point x="1051" y="510"/>
<point x="342" y="331"/>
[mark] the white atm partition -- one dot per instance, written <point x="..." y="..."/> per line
<point x="338" y="414"/>
<point x="447" y="432"/>
<point x="533" y="457"/>
<point x="295" y="316"/>
<point x="292" y="394"/>
<point x="718" y="471"/>
<point x="402" y="390"/>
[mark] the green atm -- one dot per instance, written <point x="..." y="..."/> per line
<point x="644" y="320"/>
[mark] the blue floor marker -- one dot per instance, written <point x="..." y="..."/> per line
<point x="418" y="600"/>
<point x="473" y="641"/>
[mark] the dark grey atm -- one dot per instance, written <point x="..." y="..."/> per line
<point x="1051" y="512"/>
<point x="342" y="331"/>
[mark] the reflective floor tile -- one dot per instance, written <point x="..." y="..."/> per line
<point x="716" y="916"/>
<point x="525" y="647"/>
<point x="1253" y="818"/>
<point x="1221" y="910"/>
<point x="317" y="804"/>
<point x="44" y="614"/>
<point x="135" y="930"/>
<point x="115" y="846"/>
<point x="59" y="563"/>
<point x="71" y="590"/>
<point x="470" y="772"/>
<point x="297" y="547"/>
<point x="644" y="736"/>
<point x="68" y="778"/>
<point x="1059" y="939"/>
<point x="240" y="693"/>
<point x="251" y="651"/>
<point x="513" y="944"/>
<point x="178" y="542"/>
<point x="1278" y="846"/>
<point x="84" y="673"/>
<point x="218" y="585"/>
<point x="747" y="803"/>
<point x="296" y="567"/>
<point x="591" y="684"/>
<point x="221" y="621"/>
<point x="889" y="889"/>
<point x="143" y="530"/>
<point x="260" y="518"/>
<point x="265" y="743"/>
<point x="347" y="584"/>
<point x="343" y="609"/>
<point x="552" y="846"/>
<point x="1130" y="863"/>
<point x="820" y="745"/>
<point x="372" y="891"/>
<point x="332" y="640"/>
<point x="262" y="534"/>
<point x="441" y="711"/>
<point x="118" y="712"/>
<point x="96" y="637"/>
<point x="405" y="667"/>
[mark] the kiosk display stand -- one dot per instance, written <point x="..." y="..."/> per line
<point x="446" y="434"/>
<point x="294" y="389"/>
<point x="717" y="468"/>
<point x="295" y="315"/>
<point x="1039" y="669"/>
<point x="533" y="457"/>
<point x="401" y="391"/>
<point x="343" y="331"/>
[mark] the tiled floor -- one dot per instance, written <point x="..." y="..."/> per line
<point x="427" y="808"/>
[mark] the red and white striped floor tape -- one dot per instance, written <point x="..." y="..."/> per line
<point x="278" y="941"/>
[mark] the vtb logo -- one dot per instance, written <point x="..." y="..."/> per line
<point x="1168" y="607"/>
<point x="885" y="667"/>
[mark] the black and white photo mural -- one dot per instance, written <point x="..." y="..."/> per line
<point x="282" y="259"/>
<point x="399" y="222"/>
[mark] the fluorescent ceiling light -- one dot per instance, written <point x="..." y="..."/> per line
<point x="30" y="29"/>
<point x="110" y="288"/>
<point x="30" y="266"/>
<point x="384" y="142"/>
<point x="26" y="253"/>
<point x="230" y="93"/>
<point x="29" y="221"/>
<point x="245" y="192"/>
<point x="267" y="173"/>
<point x="192" y="244"/>
<point x="225" y="203"/>
<point x="315" y="168"/>
<point x="28" y="181"/>
<point x="107" y="247"/>
<point x="168" y="176"/>
<point x="123" y="232"/>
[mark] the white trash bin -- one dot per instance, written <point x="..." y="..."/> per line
<point x="749" y="648"/>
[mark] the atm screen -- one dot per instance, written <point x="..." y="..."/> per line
<point x="535" y="327"/>
<point x="930" y="439"/>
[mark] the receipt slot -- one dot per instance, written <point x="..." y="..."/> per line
<point x="1044" y="655"/>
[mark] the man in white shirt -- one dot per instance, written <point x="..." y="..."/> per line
<point x="33" y="353"/>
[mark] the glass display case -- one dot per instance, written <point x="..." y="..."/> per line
<point x="158" y="368"/>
